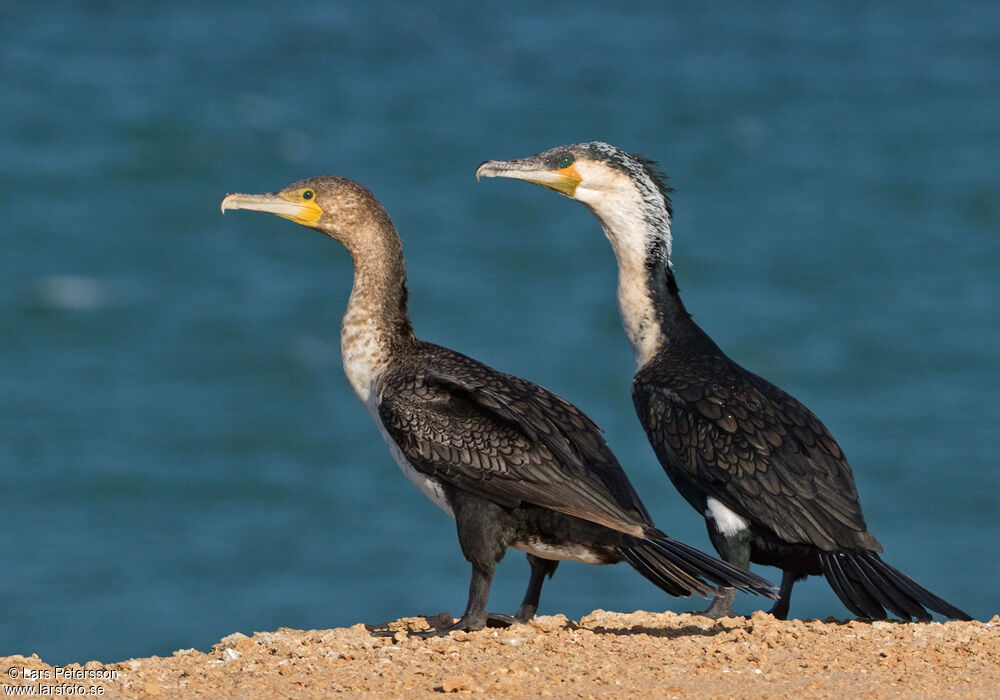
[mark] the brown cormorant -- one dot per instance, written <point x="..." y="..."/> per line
<point x="771" y="482"/>
<point x="516" y="465"/>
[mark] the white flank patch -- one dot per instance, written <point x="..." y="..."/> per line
<point x="726" y="520"/>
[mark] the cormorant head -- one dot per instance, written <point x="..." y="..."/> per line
<point x="625" y="191"/>
<point x="594" y="173"/>
<point x="336" y="206"/>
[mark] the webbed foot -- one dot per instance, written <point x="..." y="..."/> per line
<point x="526" y="613"/>
<point x="469" y="623"/>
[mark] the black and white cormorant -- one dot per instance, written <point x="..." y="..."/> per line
<point x="771" y="482"/>
<point x="514" y="464"/>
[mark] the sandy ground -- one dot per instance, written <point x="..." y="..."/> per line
<point x="640" y="654"/>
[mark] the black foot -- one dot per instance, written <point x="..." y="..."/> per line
<point x="780" y="610"/>
<point x="469" y="623"/>
<point x="499" y="620"/>
<point x="526" y="613"/>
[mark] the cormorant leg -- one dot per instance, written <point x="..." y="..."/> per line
<point x="780" y="609"/>
<point x="721" y="605"/>
<point x="484" y="529"/>
<point x="540" y="568"/>
<point x="734" y="549"/>
<point x="474" y="617"/>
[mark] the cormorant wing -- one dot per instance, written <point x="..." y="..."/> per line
<point x="506" y="439"/>
<point x="746" y="443"/>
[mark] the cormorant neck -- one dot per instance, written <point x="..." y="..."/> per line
<point x="651" y="309"/>
<point x="376" y="322"/>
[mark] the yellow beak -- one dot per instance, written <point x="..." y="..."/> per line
<point x="564" y="181"/>
<point x="305" y="213"/>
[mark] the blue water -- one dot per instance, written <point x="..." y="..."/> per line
<point x="180" y="454"/>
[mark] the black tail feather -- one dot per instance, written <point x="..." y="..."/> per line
<point x="647" y="569"/>
<point x="903" y="606"/>
<point x="868" y="587"/>
<point x="681" y="570"/>
<point x="715" y="570"/>
<point x="856" y="589"/>
<point x="834" y="578"/>
<point x="920" y="594"/>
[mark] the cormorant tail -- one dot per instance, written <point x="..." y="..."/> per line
<point x="681" y="570"/>
<point x="868" y="587"/>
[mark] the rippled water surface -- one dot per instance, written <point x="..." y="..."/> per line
<point x="180" y="454"/>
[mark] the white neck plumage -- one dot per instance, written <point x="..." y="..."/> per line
<point x="636" y="231"/>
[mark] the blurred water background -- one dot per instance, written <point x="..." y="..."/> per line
<point x="180" y="454"/>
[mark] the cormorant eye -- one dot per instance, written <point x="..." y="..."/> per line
<point x="566" y="161"/>
<point x="308" y="194"/>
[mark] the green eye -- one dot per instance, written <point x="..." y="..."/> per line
<point x="308" y="194"/>
<point x="566" y="161"/>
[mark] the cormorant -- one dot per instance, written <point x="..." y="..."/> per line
<point x="514" y="464"/>
<point x="771" y="482"/>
